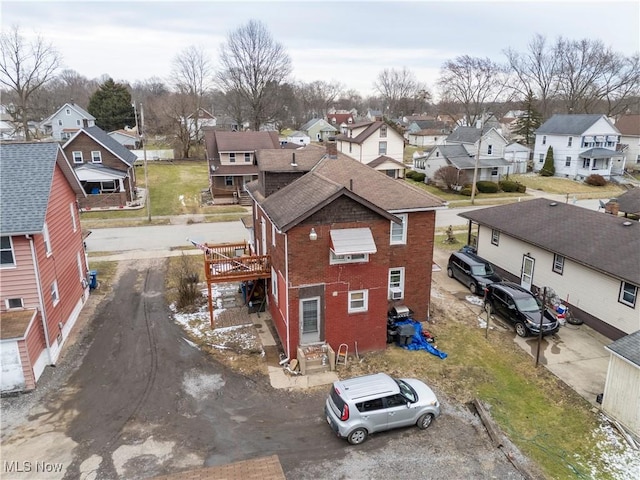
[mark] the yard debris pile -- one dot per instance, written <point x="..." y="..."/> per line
<point x="419" y="339"/>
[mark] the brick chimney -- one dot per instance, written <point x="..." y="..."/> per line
<point x="332" y="148"/>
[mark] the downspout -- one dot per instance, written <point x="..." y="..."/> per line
<point x="286" y="269"/>
<point x="44" y="315"/>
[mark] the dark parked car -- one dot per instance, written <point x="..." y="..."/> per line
<point x="520" y="307"/>
<point x="473" y="271"/>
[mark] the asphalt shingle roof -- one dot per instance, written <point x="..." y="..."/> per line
<point x="628" y="347"/>
<point x="629" y="125"/>
<point x="102" y="137"/>
<point x="246" y="141"/>
<point x="26" y="177"/>
<point x="629" y="201"/>
<point x="568" y="124"/>
<point x="464" y="135"/>
<point x="594" y="239"/>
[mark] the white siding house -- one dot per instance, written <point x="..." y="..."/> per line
<point x="629" y="127"/>
<point x="589" y="258"/>
<point x="582" y="145"/>
<point x="366" y="141"/>
<point x="66" y="121"/>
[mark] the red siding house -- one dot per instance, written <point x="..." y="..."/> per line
<point x="346" y="244"/>
<point x="43" y="267"/>
<point x="104" y="167"/>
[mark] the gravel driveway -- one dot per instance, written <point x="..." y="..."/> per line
<point x="133" y="399"/>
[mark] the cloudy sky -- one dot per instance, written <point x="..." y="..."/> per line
<point x="346" y="41"/>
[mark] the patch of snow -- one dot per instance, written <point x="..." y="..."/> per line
<point x="181" y="198"/>
<point x="198" y="384"/>
<point x="622" y="462"/>
<point x="475" y="300"/>
<point x="189" y="342"/>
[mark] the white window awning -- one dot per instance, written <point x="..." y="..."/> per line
<point x="349" y="241"/>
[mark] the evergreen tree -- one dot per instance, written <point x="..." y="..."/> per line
<point x="548" y="169"/>
<point x="111" y="105"/>
<point x="527" y="124"/>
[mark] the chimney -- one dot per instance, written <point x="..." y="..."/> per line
<point x="293" y="159"/>
<point x="332" y="147"/>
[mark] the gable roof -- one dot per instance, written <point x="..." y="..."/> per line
<point x="384" y="159"/>
<point x="108" y="142"/>
<point x="126" y="133"/>
<point x="629" y="201"/>
<point x="329" y="178"/>
<point x="605" y="243"/>
<point x="464" y="135"/>
<point x="629" y="125"/>
<point x="371" y="127"/>
<point x="26" y="180"/>
<point x="220" y="141"/>
<point x="78" y="109"/>
<point x="340" y="117"/>
<point x="627" y="347"/>
<point x="570" y="124"/>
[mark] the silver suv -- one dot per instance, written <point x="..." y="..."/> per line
<point x="373" y="403"/>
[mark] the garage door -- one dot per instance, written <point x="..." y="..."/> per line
<point x="11" y="376"/>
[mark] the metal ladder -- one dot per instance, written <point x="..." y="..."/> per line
<point x="341" y="356"/>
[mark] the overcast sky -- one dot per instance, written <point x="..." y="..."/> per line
<point x="346" y="41"/>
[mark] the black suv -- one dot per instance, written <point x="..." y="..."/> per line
<point x="521" y="308"/>
<point x="474" y="271"/>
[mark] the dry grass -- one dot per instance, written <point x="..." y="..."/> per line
<point x="564" y="186"/>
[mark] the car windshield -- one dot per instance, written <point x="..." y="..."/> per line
<point x="406" y="391"/>
<point x="527" y="304"/>
<point x="482" y="269"/>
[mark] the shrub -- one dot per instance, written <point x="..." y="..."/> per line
<point x="508" y="186"/>
<point x="466" y="191"/>
<point x="410" y="174"/>
<point x="521" y="188"/>
<point x="549" y="168"/>
<point x="595" y="180"/>
<point x="486" y="186"/>
<point x="418" y="176"/>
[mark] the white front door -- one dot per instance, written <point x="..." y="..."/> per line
<point x="309" y="320"/>
<point x="526" y="277"/>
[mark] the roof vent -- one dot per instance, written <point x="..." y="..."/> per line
<point x="627" y="223"/>
<point x="553" y="204"/>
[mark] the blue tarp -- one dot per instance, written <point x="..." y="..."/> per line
<point x="418" y="341"/>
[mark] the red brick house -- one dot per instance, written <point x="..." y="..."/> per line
<point x="43" y="266"/>
<point x="346" y="243"/>
<point x="231" y="160"/>
<point x="104" y="167"/>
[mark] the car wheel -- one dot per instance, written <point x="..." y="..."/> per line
<point x="450" y="272"/>
<point x="521" y="330"/>
<point x="424" y="421"/>
<point x="358" y="436"/>
<point x="473" y="288"/>
<point x="573" y="320"/>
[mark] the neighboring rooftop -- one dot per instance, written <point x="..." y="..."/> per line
<point x="570" y="124"/>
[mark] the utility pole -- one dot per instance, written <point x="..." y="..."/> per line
<point x="477" y="164"/>
<point x="146" y="177"/>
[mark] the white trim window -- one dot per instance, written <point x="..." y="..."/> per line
<point x="274" y="285"/>
<point x="247" y="157"/>
<point x="495" y="237"/>
<point x="96" y="156"/>
<point x="489" y="149"/>
<point x="55" y="294"/>
<point x="77" y="157"/>
<point x="383" y="131"/>
<point x="544" y="139"/>
<point x="72" y="211"/>
<point x="569" y="141"/>
<point x="567" y="162"/>
<point x="14" y="303"/>
<point x="358" y="301"/>
<point x="47" y="240"/>
<point x="399" y="231"/>
<point x="382" y="148"/>
<point x="232" y="157"/>
<point x="628" y="294"/>
<point x="558" y="263"/>
<point x="7" y="257"/>
<point x="396" y="283"/>
<point x="228" y="181"/>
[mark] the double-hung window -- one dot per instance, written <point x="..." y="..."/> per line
<point x="55" y="295"/>
<point x="247" y="157"/>
<point x="7" y="258"/>
<point x="232" y="157"/>
<point x="495" y="237"/>
<point x="558" y="263"/>
<point x="399" y="230"/>
<point x="396" y="283"/>
<point x="358" y="301"/>
<point x="567" y="162"/>
<point x="96" y="156"/>
<point x="628" y="294"/>
<point x="77" y="157"/>
<point x="382" y="148"/>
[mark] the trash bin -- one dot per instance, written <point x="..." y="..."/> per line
<point x="93" y="279"/>
<point x="405" y="334"/>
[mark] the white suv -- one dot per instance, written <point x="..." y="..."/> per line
<point x="360" y="406"/>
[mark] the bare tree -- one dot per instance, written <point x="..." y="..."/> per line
<point x="591" y="73"/>
<point x="474" y="84"/>
<point x="449" y="177"/>
<point x="254" y="65"/>
<point x="191" y="74"/>
<point x="401" y="92"/>
<point x="24" y="68"/>
<point x="318" y="96"/>
<point x="536" y="71"/>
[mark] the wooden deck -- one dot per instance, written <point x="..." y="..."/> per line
<point x="234" y="263"/>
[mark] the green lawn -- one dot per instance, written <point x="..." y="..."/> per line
<point x="564" y="186"/>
